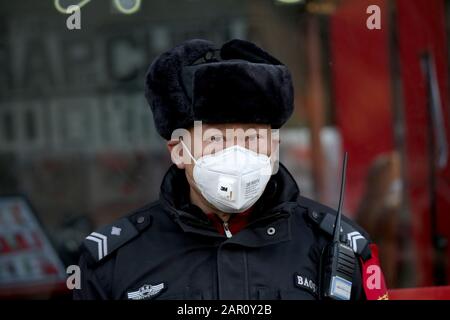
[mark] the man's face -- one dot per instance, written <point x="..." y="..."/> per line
<point x="204" y="139"/>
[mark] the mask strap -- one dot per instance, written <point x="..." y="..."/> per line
<point x="277" y="150"/>
<point x="187" y="150"/>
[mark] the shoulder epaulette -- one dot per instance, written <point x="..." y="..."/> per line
<point x="107" y="239"/>
<point x="324" y="217"/>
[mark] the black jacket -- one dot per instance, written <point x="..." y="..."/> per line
<point x="170" y="250"/>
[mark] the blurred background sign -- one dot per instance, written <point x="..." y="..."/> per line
<point x="29" y="263"/>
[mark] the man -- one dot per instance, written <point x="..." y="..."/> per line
<point x="230" y="222"/>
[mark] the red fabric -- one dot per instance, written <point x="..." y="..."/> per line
<point x="362" y="89"/>
<point x="428" y="293"/>
<point x="413" y="40"/>
<point x="373" y="278"/>
<point x="236" y="223"/>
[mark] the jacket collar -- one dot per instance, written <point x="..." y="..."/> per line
<point x="277" y="201"/>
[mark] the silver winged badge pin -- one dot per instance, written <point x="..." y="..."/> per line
<point x="146" y="292"/>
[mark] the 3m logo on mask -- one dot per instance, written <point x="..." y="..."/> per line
<point x="226" y="188"/>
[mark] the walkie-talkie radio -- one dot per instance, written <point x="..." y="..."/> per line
<point x="338" y="258"/>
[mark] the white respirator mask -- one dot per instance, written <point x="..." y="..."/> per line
<point x="232" y="179"/>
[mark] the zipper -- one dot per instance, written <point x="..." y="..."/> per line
<point x="205" y="225"/>
<point x="227" y="230"/>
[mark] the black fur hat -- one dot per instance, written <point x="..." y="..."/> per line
<point x="238" y="82"/>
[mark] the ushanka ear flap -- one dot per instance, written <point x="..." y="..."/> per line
<point x="164" y="89"/>
<point x="244" y="50"/>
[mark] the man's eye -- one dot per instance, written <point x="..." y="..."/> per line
<point x="216" y="138"/>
